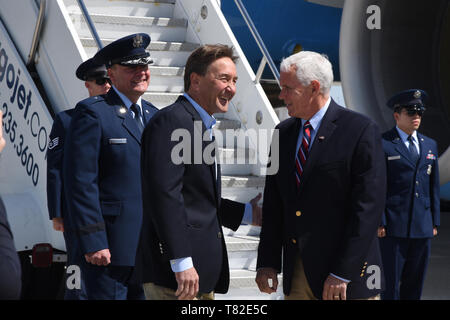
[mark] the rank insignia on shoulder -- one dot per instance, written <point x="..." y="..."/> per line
<point x="53" y="143"/>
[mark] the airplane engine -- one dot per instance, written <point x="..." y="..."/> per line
<point x="409" y="49"/>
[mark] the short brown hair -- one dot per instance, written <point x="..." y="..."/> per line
<point x="202" y="57"/>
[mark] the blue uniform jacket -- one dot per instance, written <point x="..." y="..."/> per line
<point x="55" y="156"/>
<point x="102" y="179"/>
<point x="412" y="201"/>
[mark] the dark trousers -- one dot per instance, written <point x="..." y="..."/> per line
<point x="405" y="263"/>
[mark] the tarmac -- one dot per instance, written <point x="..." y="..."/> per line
<point x="437" y="281"/>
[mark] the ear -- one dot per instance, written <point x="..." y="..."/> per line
<point x="315" y="87"/>
<point x="86" y="84"/>
<point x="396" y="116"/>
<point x="195" y="79"/>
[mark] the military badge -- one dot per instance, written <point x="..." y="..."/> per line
<point x="138" y="41"/>
<point x="417" y="94"/>
<point x="431" y="156"/>
<point x="123" y="110"/>
<point x="429" y="169"/>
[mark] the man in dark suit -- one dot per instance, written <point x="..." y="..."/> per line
<point x="10" y="270"/>
<point x="101" y="171"/>
<point x="97" y="82"/>
<point x="182" y="247"/>
<point x="412" y="212"/>
<point x="322" y="208"/>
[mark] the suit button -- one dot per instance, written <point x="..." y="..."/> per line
<point x="219" y="235"/>
<point x="417" y="195"/>
<point x="294" y="241"/>
<point x="298" y="213"/>
<point x="417" y="182"/>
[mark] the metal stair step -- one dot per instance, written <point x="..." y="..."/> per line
<point x="239" y="181"/>
<point x="161" y="99"/>
<point x="133" y="20"/>
<point x="109" y="26"/>
<point x="141" y="8"/>
<point x="243" y="230"/>
<point x="226" y="124"/>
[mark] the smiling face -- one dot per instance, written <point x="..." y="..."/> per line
<point x="132" y="81"/>
<point x="216" y="88"/>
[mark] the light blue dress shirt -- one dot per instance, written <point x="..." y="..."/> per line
<point x="404" y="136"/>
<point x="315" y="122"/>
<point x="127" y="102"/>
<point x="182" y="264"/>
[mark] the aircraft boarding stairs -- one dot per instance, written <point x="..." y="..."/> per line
<point x="170" y="51"/>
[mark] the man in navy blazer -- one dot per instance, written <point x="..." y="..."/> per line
<point x="182" y="250"/>
<point x="322" y="208"/>
<point x="101" y="170"/>
<point x="412" y="212"/>
<point x="97" y="82"/>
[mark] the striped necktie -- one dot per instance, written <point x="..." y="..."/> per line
<point x="302" y="154"/>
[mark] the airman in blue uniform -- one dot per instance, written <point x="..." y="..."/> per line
<point x="101" y="170"/>
<point x="412" y="212"/>
<point x="97" y="82"/>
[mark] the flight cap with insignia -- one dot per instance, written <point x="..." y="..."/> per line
<point x="91" y="70"/>
<point x="411" y="99"/>
<point x="127" y="51"/>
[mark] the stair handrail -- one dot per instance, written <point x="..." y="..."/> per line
<point x="90" y="23"/>
<point x="37" y="32"/>
<point x="266" y="55"/>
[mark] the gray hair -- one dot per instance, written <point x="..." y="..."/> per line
<point x="310" y="66"/>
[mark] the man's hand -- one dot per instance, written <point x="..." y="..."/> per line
<point x="435" y="232"/>
<point x="188" y="284"/>
<point x="262" y="280"/>
<point x="2" y="141"/>
<point x="99" y="258"/>
<point x="256" y="211"/>
<point x="381" y="232"/>
<point x="334" y="289"/>
<point x="58" y="224"/>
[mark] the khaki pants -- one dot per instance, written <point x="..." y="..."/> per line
<point x="154" y="292"/>
<point x="300" y="289"/>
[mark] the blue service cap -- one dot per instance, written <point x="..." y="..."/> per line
<point x="408" y="98"/>
<point x="91" y="70"/>
<point x="129" y="50"/>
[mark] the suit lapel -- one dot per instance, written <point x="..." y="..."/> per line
<point x="292" y="137"/>
<point x="201" y="130"/>
<point x="148" y="111"/>
<point x="400" y="147"/>
<point x="326" y="129"/>
<point x="423" y="150"/>
<point x="123" y="113"/>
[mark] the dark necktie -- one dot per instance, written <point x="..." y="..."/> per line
<point x="137" y="116"/>
<point x="412" y="149"/>
<point x="303" y="151"/>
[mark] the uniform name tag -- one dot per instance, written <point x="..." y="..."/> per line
<point x="393" y="158"/>
<point x="117" y="140"/>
